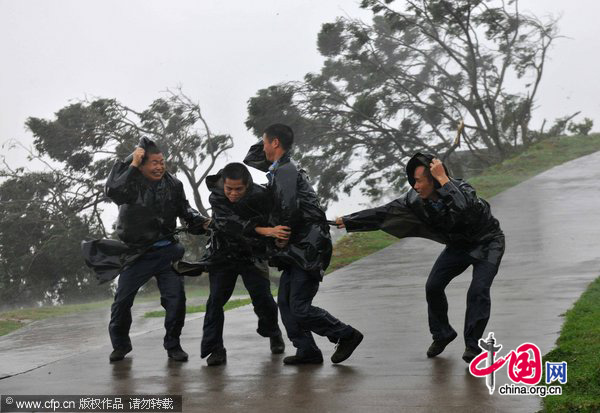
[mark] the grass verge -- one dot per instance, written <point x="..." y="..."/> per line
<point x="15" y="319"/>
<point x="579" y="346"/>
<point x="231" y="304"/>
<point x="537" y="159"/>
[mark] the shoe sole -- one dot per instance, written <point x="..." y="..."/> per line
<point x="178" y="359"/>
<point x="216" y="364"/>
<point x="360" y="339"/>
<point x="111" y="359"/>
<point x="303" y="362"/>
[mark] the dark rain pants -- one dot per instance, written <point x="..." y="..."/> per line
<point x="222" y="284"/>
<point x="154" y="263"/>
<point x="451" y="263"/>
<point x="297" y="288"/>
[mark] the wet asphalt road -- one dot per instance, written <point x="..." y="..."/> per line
<point x="551" y="224"/>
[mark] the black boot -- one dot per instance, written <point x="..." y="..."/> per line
<point x="217" y="358"/>
<point x="439" y="345"/>
<point x="177" y="354"/>
<point x="470" y="354"/>
<point x="118" y="354"/>
<point x="277" y="344"/>
<point x="316" y="358"/>
<point x="346" y="346"/>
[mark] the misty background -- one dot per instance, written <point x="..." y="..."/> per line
<point x="220" y="54"/>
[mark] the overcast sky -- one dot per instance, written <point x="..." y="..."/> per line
<point x="221" y="53"/>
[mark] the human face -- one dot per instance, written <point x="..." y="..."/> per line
<point x="423" y="183"/>
<point x="154" y="167"/>
<point x="234" y="189"/>
<point x="270" y="148"/>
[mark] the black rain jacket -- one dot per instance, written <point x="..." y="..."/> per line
<point x="295" y="204"/>
<point x="147" y="213"/>
<point x="233" y="238"/>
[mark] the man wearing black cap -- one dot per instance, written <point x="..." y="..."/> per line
<point x="239" y="213"/>
<point x="150" y="199"/>
<point x="449" y="211"/>
<point x="304" y="256"/>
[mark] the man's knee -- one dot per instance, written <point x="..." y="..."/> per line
<point x="434" y="287"/>
<point x="301" y="311"/>
<point x="478" y="294"/>
<point x="173" y="299"/>
<point x="122" y="301"/>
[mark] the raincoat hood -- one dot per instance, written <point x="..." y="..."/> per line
<point x="420" y="159"/>
<point x="143" y="143"/>
<point x="256" y="158"/>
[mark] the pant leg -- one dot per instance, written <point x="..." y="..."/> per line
<point x="264" y="305"/>
<point x="172" y="293"/>
<point x="303" y="288"/>
<point x="130" y="281"/>
<point x="449" y="264"/>
<point x="478" y="302"/>
<point x="301" y="339"/>
<point x="172" y="299"/>
<point x="222" y="283"/>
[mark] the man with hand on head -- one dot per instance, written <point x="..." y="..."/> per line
<point x="239" y="214"/>
<point x="150" y="200"/>
<point x="449" y="211"/>
<point x="304" y="256"/>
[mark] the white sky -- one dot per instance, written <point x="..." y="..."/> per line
<point x="221" y="53"/>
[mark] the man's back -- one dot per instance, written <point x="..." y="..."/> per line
<point x="296" y="205"/>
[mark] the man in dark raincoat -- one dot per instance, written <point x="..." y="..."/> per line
<point x="304" y="256"/>
<point x="449" y="211"/>
<point x="150" y="199"/>
<point x="239" y="210"/>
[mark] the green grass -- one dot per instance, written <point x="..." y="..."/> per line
<point x="579" y="346"/>
<point x="538" y="158"/>
<point x="355" y="246"/>
<point x="231" y="304"/>
<point x="15" y="319"/>
<point x="6" y="326"/>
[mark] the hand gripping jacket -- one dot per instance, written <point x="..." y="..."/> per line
<point x="148" y="211"/>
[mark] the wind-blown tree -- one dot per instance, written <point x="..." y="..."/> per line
<point x="403" y="82"/>
<point x="40" y="231"/>
<point x="44" y="215"/>
<point x="85" y="137"/>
